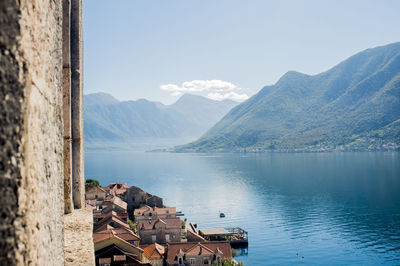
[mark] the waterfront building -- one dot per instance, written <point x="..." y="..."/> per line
<point x="147" y="212"/>
<point x="160" y="230"/>
<point x="200" y="253"/>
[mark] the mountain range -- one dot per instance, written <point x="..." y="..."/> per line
<point x="352" y="106"/>
<point x="108" y="120"/>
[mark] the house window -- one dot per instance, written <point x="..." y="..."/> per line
<point x="192" y="261"/>
<point x="167" y="238"/>
<point x="205" y="261"/>
<point x="153" y="238"/>
<point x="180" y="261"/>
<point x="105" y="261"/>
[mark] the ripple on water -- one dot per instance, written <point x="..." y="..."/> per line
<point x="299" y="209"/>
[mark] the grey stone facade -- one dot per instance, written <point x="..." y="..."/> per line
<point x="136" y="197"/>
<point x="32" y="133"/>
<point x="160" y="231"/>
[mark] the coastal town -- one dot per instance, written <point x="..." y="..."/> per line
<point x="133" y="227"/>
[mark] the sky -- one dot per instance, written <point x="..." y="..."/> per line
<point x="223" y="49"/>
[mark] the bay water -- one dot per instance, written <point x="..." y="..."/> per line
<point x="299" y="208"/>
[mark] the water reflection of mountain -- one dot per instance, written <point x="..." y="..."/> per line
<point x="353" y="197"/>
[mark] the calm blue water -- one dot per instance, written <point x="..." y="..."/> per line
<point x="315" y="208"/>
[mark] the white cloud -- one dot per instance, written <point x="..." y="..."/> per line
<point x="217" y="89"/>
<point x="230" y="95"/>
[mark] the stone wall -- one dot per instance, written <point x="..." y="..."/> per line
<point x="31" y="133"/>
<point x="12" y="93"/>
<point x="136" y="198"/>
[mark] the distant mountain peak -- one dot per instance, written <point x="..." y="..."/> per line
<point x="190" y="97"/>
<point x="351" y="106"/>
<point x="100" y="98"/>
<point x="106" y="118"/>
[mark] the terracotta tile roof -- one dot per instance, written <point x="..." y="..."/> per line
<point x="159" y="211"/>
<point x="223" y="248"/>
<point x="108" y="197"/>
<point x="196" y="235"/>
<point x="115" y="249"/>
<point x="116" y="201"/>
<point x="121" y="215"/>
<point x="96" y="189"/>
<point x="170" y="223"/>
<point x="117" y="188"/>
<point x="199" y="249"/>
<point x="154" y="251"/>
<point x="142" y="210"/>
<point x="106" y="221"/>
<point x="180" y="252"/>
<point x="122" y="233"/>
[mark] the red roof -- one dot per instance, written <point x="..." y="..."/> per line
<point x="117" y="188"/>
<point x="122" y="233"/>
<point x="222" y="248"/>
<point x="154" y="251"/>
<point x="170" y="223"/>
<point x="159" y="211"/>
<point x="116" y="201"/>
<point x="95" y="189"/>
<point x="199" y="249"/>
<point x="100" y="216"/>
<point x="106" y="221"/>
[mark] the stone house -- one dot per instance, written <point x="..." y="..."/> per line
<point x="192" y="236"/>
<point x="147" y="212"/>
<point x="113" y="255"/>
<point x="117" y="189"/>
<point x="114" y="204"/>
<point x="160" y="230"/>
<point x="155" y="253"/>
<point x="122" y="233"/>
<point x="95" y="193"/>
<point x="97" y="217"/>
<point x="107" y="250"/>
<point x="110" y="222"/>
<point x="200" y="253"/>
<point x="136" y="198"/>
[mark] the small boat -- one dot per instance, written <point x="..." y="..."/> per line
<point x="179" y="213"/>
<point x="221" y="215"/>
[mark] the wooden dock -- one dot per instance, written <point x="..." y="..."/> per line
<point x="235" y="235"/>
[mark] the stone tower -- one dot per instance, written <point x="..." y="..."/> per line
<point x="41" y="127"/>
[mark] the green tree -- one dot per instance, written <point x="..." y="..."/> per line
<point x="91" y="183"/>
<point x="227" y="262"/>
<point x="132" y="225"/>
